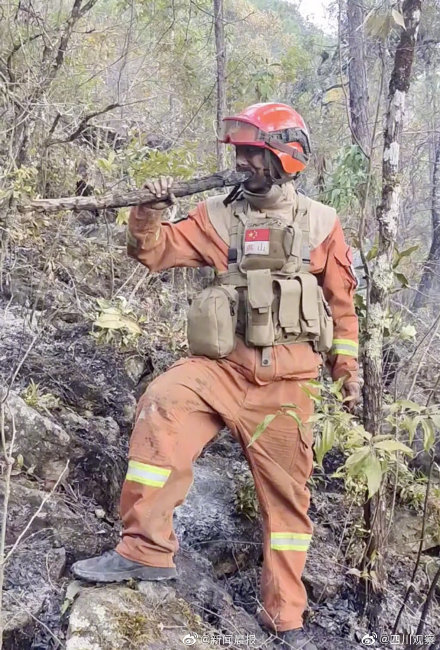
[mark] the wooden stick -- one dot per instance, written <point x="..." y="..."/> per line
<point x="133" y="197"/>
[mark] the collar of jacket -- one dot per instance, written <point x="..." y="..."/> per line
<point x="280" y="201"/>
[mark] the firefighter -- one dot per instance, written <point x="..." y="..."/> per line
<point x="282" y="298"/>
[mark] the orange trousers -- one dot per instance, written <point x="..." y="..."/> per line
<point x="180" y="412"/>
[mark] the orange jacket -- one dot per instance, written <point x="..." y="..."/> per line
<point x="194" y="242"/>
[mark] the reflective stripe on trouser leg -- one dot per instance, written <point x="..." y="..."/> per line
<point x="290" y="541"/>
<point x="345" y="347"/>
<point x="147" y="474"/>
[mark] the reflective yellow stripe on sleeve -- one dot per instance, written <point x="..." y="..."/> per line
<point x="345" y="346"/>
<point x="147" y="474"/>
<point x="290" y="541"/>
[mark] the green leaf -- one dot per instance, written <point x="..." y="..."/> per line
<point x="72" y="592"/>
<point x="402" y="279"/>
<point x="393" y="445"/>
<point x="295" y="416"/>
<point x="410" y="425"/>
<point x="429" y="434"/>
<point x="372" y="253"/>
<point x="408" y="404"/>
<point x="335" y="386"/>
<point x="398" y="18"/>
<point x="372" y="469"/>
<point x="383" y="436"/>
<point x="122" y="216"/>
<point x="316" y="417"/>
<point x="409" y="251"/>
<point x="354" y="462"/>
<point x="112" y="319"/>
<point x="378" y="25"/>
<point x="435" y="419"/>
<point x="262" y="427"/>
<point x="408" y="332"/>
<point x="325" y="441"/>
<point x="309" y="393"/>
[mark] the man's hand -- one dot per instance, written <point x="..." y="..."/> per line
<point x="352" y="393"/>
<point x="161" y="188"/>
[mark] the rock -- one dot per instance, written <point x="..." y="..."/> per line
<point x="134" y="366"/>
<point x="98" y="456"/>
<point x="207" y="521"/>
<point x="68" y="362"/>
<point x="17" y="619"/>
<point x="29" y="587"/>
<point x="118" y="618"/>
<point x="324" y="575"/>
<point x="156" y="592"/>
<point x="196" y="583"/>
<point x="43" y="444"/>
<point x="245" y="589"/>
<point x="73" y="528"/>
<point x="406" y="532"/>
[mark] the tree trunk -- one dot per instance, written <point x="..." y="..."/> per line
<point x="357" y="75"/>
<point x="429" y="286"/>
<point x="381" y="277"/>
<point x="220" y="50"/>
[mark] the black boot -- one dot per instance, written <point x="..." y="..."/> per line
<point x="112" y="567"/>
<point x="295" y="640"/>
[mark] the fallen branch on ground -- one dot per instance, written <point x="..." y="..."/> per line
<point x="133" y="197"/>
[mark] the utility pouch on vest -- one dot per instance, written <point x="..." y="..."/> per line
<point x="293" y="243"/>
<point x="289" y="306"/>
<point x="259" y="324"/>
<point x="309" y="315"/>
<point x="325" y="340"/>
<point x="212" y="320"/>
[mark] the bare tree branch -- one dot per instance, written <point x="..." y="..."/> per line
<point x="134" y="197"/>
<point x="82" y="125"/>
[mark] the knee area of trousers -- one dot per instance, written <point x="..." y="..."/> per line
<point x="160" y="402"/>
<point x="164" y="391"/>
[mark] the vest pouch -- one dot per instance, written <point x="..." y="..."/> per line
<point x="259" y="323"/>
<point x="293" y="243"/>
<point x="325" y="340"/>
<point x="212" y="319"/>
<point x="309" y="316"/>
<point x="289" y="307"/>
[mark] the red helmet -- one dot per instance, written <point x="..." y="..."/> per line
<point x="276" y="127"/>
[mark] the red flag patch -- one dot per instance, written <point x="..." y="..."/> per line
<point x="256" y="241"/>
<point x="257" y="234"/>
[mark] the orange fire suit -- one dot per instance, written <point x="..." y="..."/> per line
<point x="184" y="408"/>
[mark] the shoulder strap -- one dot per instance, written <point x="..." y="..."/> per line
<point x="302" y="221"/>
<point x="220" y="216"/>
<point x="236" y="233"/>
<point x="322" y="219"/>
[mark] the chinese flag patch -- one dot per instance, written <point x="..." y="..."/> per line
<point x="256" y="241"/>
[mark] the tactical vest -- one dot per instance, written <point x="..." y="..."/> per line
<point x="268" y="296"/>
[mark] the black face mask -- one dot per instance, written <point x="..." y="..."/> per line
<point x="274" y="175"/>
